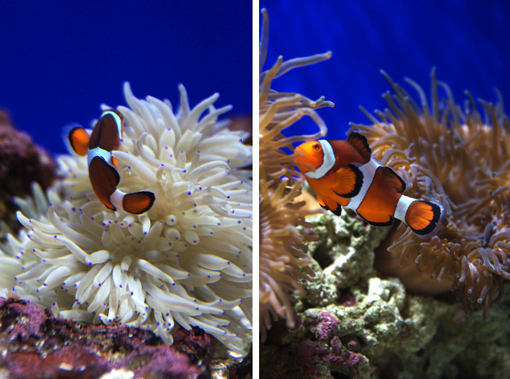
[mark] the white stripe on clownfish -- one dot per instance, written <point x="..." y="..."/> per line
<point x="402" y="206"/>
<point x="117" y="119"/>
<point x="327" y="163"/>
<point x="101" y="153"/>
<point x="368" y="170"/>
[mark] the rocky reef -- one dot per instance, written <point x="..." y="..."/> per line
<point x="356" y="323"/>
<point x="39" y="343"/>
<point x="34" y="344"/>
<point x="22" y="163"/>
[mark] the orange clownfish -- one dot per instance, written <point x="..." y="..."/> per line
<point x="102" y="172"/>
<point x="343" y="173"/>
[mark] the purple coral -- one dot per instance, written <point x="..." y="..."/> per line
<point x="328" y="350"/>
<point x="42" y="346"/>
<point x="325" y="326"/>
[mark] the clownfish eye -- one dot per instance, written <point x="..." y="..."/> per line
<point x="316" y="146"/>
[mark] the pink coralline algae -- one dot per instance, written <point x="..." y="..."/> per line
<point x="30" y="319"/>
<point x="324" y="327"/>
<point x="327" y="350"/>
<point x="348" y="299"/>
<point x="37" y="345"/>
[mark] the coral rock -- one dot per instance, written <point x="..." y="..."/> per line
<point x="21" y="163"/>
<point x="385" y="332"/>
<point x="36" y="345"/>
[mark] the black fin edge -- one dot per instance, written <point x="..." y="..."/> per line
<point x="436" y="209"/>
<point x="399" y="178"/>
<point x="117" y="176"/>
<point x="337" y="212"/>
<point x="152" y="199"/>
<point x="360" y="137"/>
<point x="357" y="185"/>
<point x="377" y="223"/>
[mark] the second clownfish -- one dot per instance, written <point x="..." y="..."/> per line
<point x="343" y="173"/>
<point x="103" y="174"/>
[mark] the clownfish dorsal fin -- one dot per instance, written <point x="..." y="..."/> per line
<point x="359" y="142"/>
<point x="348" y="181"/>
<point x="393" y="179"/>
<point x="107" y="131"/>
<point x="76" y="139"/>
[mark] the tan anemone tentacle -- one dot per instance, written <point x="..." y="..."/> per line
<point x="454" y="156"/>
<point x="283" y="259"/>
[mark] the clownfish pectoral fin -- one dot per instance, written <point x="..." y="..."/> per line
<point x="337" y="211"/>
<point x="423" y="216"/>
<point x="76" y="139"/>
<point x="348" y="181"/>
<point x="393" y="179"/>
<point x="138" y="202"/>
<point x="330" y="205"/>
<point x="359" y="142"/>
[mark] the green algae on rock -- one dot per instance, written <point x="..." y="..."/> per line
<point x="344" y="252"/>
<point x="354" y="323"/>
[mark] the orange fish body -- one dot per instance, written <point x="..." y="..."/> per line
<point x="103" y="174"/>
<point x="343" y="173"/>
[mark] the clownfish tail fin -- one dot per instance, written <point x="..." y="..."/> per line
<point x="76" y="139"/>
<point x="138" y="202"/>
<point x="423" y="217"/>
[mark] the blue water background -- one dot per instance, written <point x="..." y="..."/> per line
<point x="59" y="60"/>
<point x="468" y="42"/>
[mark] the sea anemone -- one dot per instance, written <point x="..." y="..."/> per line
<point x="283" y="259"/>
<point x="186" y="261"/>
<point x="451" y="155"/>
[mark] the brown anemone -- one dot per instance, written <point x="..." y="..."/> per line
<point x="283" y="259"/>
<point x="460" y="158"/>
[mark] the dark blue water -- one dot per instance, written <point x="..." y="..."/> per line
<point x="59" y="60"/>
<point x="468" y="42"/>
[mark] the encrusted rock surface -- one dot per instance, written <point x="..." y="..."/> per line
<point x="33" y="344"/>
<point x="354" y="323"/>
<point x="21" y="163"/>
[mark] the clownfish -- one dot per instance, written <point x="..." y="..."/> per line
<point x="103" y="175"/>
<point x="343" y="173"/>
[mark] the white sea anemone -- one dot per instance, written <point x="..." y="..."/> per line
<point x="186" y="261"/>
